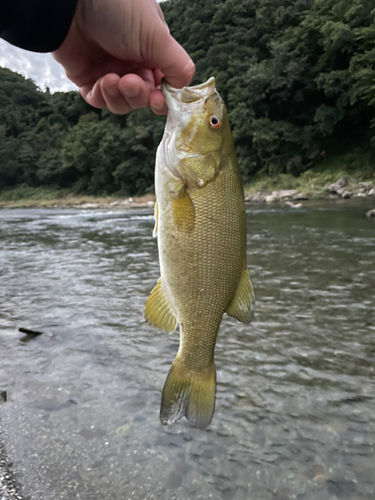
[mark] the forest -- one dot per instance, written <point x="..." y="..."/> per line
<point x="298" y="78"/>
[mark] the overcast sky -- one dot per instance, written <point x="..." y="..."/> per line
<point x="41" y="68"/>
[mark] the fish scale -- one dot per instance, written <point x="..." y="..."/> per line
<point x="201" y="230"/>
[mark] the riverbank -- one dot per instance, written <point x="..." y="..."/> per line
<point x="323" y="182"/>
<point x="27" y="197"/>
<point x="343" y="188"/>
<point x="348" y="175"/>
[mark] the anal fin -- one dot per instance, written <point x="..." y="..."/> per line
<point x="242" y="305"/>
<point x="158" y="311"/>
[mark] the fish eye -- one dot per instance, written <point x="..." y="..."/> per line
<point x="215" y="121"/>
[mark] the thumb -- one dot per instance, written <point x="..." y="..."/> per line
<point x="173" y="61"/>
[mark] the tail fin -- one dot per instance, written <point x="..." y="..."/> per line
<point x="190" y="394"/>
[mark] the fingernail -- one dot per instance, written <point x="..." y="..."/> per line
<point x="112" y="90"/>
<point x="131" y="91"/>
<point x="158" y="105"/>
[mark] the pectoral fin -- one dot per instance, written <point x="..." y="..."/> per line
<point x="156" y="214"/>
<point x="242" y="305"/>
<point x="183" y="212"/>
<point x="158" y="311"/>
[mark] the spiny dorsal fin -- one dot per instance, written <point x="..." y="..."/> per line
<point x="156" y="214"/>
<point x="158" y="311"/>
<point x="242" y="305"/>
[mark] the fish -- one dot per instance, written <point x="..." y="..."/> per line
<point x="200" y="224"/>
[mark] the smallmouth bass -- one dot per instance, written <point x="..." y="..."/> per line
<point x="201" y="229"/>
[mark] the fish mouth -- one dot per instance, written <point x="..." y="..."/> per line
<point x="176" y="98"/>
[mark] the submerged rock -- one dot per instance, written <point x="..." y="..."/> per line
<point x="3" y="397"/>
<point x="371" y="213"/>
<point x="292" y="205"/>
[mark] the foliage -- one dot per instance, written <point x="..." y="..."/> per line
<point x="297" y="76"/>
<point x="294" y="73"/>
<point x="355" y="164"/>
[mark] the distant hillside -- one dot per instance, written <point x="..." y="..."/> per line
<point x="297" y="76"/>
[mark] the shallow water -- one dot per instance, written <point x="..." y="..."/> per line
<point x="295" y="412"/>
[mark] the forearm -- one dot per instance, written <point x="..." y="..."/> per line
<point x="36" y="25"/>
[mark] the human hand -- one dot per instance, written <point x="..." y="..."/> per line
<point x="117" y="51"/>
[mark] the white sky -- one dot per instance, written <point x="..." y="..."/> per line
<point x="41" y="68"/>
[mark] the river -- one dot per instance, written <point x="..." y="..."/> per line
<point x="295" y="413"/>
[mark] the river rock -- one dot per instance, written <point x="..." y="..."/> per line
<point x="300" y="196"/>
<point x="114" y="203"/>
<point x="366" y="185"/>
<point x="286" y="193"/>
<point x="339" y="184"/>
<point x="346" y="194"/>
<point x="257" y="197"/>
<point x="89" y="205"/>
<point x="270" y="198"/>
<point x="371" y="213"/>
<point x="371" y="192"/>
<point x="360" y="195"/>
<point x="3" y="397"/>
<point x="173" y="480"/>
<point x="123" y="431"/>
<point x="292" y="205"/>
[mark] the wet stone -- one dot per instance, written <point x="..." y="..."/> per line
<point x="341" y="488"/>
<point x="87" y="433"/>
<point x="182" y="467"/>
<point x="173" y="480"/>
<point x="123" y="430"/>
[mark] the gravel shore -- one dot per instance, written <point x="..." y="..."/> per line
<point x="9" y="489"/>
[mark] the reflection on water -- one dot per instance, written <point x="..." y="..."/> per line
<point x="295" y="412"/>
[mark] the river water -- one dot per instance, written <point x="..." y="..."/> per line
<point x="295" y="413"/>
